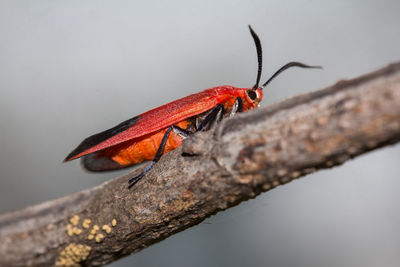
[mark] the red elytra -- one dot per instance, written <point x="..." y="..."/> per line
<point x="162" y="129"/>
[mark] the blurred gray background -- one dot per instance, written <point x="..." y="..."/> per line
<point x="69" y="69"/>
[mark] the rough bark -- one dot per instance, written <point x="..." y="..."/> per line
<point x="242" y="157"/>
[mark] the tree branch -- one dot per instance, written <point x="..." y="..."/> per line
<point x="244" y="156"/>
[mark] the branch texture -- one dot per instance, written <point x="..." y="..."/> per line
<point x="242" y="157"/>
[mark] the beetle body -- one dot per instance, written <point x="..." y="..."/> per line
<point x="141" y="140"/>
<point x="162" y="129"/>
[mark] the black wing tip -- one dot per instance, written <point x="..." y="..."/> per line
<point x="69" y="157"/>
<point x="100" y="137"/>
<point x="79" y="149"/>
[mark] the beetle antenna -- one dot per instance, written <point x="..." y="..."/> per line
<point x="285" y="67"/>
<point x="259" y="56"/>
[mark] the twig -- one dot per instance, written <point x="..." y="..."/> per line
<point x="214" y="170"/>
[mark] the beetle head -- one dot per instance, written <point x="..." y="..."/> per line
<point x="254" y="97"/>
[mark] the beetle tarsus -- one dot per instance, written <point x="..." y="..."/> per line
<point x="135" y="179"/>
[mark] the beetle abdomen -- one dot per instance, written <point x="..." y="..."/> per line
<point x="142" y="149"/>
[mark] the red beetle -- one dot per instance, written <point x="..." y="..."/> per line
<point x="160" y="130"/>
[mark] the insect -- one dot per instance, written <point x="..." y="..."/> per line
<point x="149" y="135"/>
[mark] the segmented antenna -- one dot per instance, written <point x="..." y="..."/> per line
<point x="259" y="56"/>
<point x="285" y="67"/>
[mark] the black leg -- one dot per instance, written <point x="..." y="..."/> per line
<point x="237" y="107"/>
<point x="178" y="130"/>
<point x="219" y="109"/>
<point x="181" y="132"/>
<point x="240" y="104"/>
<point x="156" y="158"/>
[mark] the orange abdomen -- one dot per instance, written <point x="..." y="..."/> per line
<point x="144" y="148"/>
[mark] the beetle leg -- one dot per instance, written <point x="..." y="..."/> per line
<point x="237" y="107"/>
<point x="156" y="158"/>
<point x="215" y="114"/>
<point x="181" y="132"/>
<point x="220" y="115"/>
<point x="177" y="130"/>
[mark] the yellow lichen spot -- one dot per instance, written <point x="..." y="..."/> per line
<point x="74" y="220"/>
<point x="282" y="172"/>
<point x="90" y="237"/>
<point x="99" y="238"/>
<point x="114" y="222"/>
<point x="73" y="255"/>
<point x="94" y="229"/>
<point x="266" y="186"/>
<point x="275" y="183"/>
<point x="70" y="230"/>
<point x="77" y="231"/>
<point x="295" y="174"/>
<point x="86" y="223"/>
<point x="106" y="228"/>
<point x="329" y="163"/>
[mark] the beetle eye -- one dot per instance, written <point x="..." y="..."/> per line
<point x="252" y="94"/>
